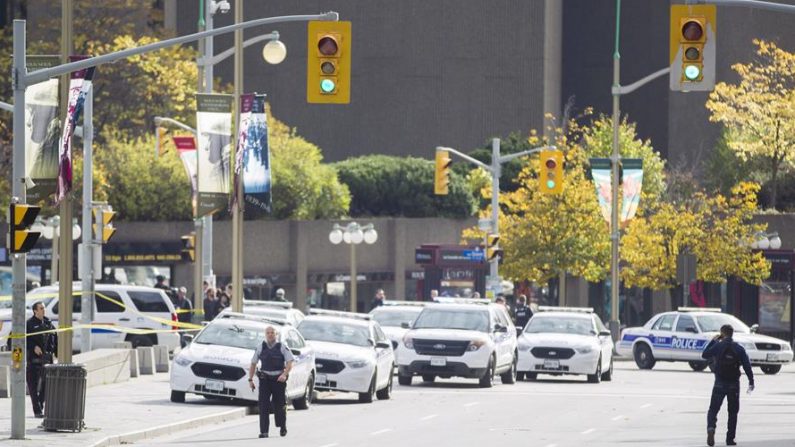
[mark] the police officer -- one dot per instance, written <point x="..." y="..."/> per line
<point x="276" y="361"/>
<point x="522" y="312"/>
<point x="726" y="357"/>
<point x="41" y="346"/>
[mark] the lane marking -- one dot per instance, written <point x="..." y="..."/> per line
<point x="645" y="406"/>
<point x="590" y="430"/>
<point x="381" y="431"/>
<point x="334" y="444"/>
<point x="471" y="404"/>
<point x="552" y="445"/>
<point x="429" y="417"/>
<point x="620" y="416"/>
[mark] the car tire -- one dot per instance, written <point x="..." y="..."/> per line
<point x="509" y="377"/>
<point x="386" y="392"/>
<point x="428" y="378"/>
<point x="487" y="381"/>
<point x="607" y="376"/>
<point x="519" y="375"/>
<point x="178" y="397"/>
<point x="698" y="366"/>
<point x="597" y="376"/>
<point x="643" y="356"/>
<point x="303" y="402"/>
<point x="771" y="369"/>
<point x="404" y="380"/>
<point x="369" y="396"/>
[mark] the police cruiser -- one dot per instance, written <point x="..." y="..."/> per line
<point x="681" y="336"/>
<point x="396" y="317"/>
<point x="566" y="340"/>
<point x="353" y="353"/>
<point x="458" y="337"/>
<point x="215" y="364"/>
<point x="280" y="310"/>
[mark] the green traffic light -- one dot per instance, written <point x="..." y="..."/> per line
<point x="550" y="184"/>
<point x="692" y="72"/>
<point x="327" y="86"/>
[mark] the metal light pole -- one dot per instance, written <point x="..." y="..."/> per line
<point x="237" y="209"/>
<point x="353" y="234"/>
<point x="88" y="246"/>
<point x="614" y="230"/>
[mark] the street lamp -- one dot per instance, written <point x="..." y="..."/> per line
<point x="51" y="229"/>
<point x="766" y="241"/>
<point x="353" y="234"/>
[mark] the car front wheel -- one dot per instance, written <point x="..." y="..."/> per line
<point x="487" y="381"/>
<point x="178" y="396"/>
<point x="698" y="366"/>
<point x="643" y="357"/>
<point x="302" y="403"/>
<point x="771" y="369"/>
<point x="597" y="376"/>
<point x="368" y="397"/>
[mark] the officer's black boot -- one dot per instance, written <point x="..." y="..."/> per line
<point x="283" y="431"/>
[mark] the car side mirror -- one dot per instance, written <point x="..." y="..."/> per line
<point x="604" y="333"/>
<point x="295" y="351"/>
<point x="188" y="338"/>
<point x="754" y="328"/>
<point x="383" y="344"/>
<point x="691" y="329"/>
<point x="405" y="325"/>
<point x="500" y="328"/>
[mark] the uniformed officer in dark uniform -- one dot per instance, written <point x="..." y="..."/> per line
<point x="41" y="347"/>
<point x="276" y="361"/>
<point x="523" y="312"/>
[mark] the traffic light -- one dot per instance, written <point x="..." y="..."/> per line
<point x="103" y="228"/>
<point x="692" y="47"/>
<point x="550" y="176"/>
<point x="20" y="218"/>
<point x="160" y="141"/>
<point x="493" y="250"/>
<point x="441" y="175"/>
<point x="328" y="63"/>
<point x="189" y="247"/>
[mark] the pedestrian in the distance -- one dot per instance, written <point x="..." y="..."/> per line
<point x="378" y="299"/>
<point x="42" y="345"/>
<point x="726" y="357"/>
<point x="275" y="361"/>
<point x="280" y="296"/>
<point x="211" y="306"/>
<point x="184" y="310"/>
<point x="523" y="313"/>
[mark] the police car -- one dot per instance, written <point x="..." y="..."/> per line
<point x="566" y="340"/>
<point x="279" y="310"/>
<point x="458" y="337"/>
<point x="353" y="353"/>
<point x="117" y="308"/>
<point x="216" y="362"/>
<point x="682" y="335"/>
<point x="396" y="317"/>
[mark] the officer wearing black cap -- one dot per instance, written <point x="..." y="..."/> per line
<point x="276" y="361"/>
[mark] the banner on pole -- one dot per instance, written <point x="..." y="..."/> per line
<point x="256" y="163"/>
<point x="214" y="130"/>
<point x="600" y="172"/>
<point x="186" y="147"/>
<point x="631" y="185"/>
<point x="42" y="131"/>
<point x="79" y="84"/>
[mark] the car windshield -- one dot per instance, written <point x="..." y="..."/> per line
<point x="559" y="325"/>
<point x="335" y="332"/>
<point x="395" y="317"/>
<point x="713" y="322"/>
<point x="467" y="320"/>
<point x="232" y="335"/>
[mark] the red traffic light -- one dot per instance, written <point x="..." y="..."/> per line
<point x="551" y="163"/>
<point x="327" y="46"/>
<point x="692" y="30"/>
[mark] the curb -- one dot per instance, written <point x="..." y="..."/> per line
<point x="162" y="430"/>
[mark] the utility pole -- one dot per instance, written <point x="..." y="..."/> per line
<point x="615" y="232"/>
<point x="88" y="246"/>
<point x="237" y="188"/>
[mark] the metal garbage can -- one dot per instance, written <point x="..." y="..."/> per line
<point x="64" y="397"/>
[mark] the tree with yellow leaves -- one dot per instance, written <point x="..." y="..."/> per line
<point x="759" y="112"/>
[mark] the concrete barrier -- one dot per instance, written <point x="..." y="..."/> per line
<point x="104" y="366"/>
<point x="5" y="358"/>
<point x="161" y="358"/>
<point x="133" y="356"/>
<point x="146" y="360"/>
<point x="5" y="381"/>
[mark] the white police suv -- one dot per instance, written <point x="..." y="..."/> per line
<point x="681" y="336"/>
<point x="215" y="363"/>
<point x="566" y="340"/>
<point x="459" y="338"/>
<point x="396" y="317"/>
<point x="353" y="353"/>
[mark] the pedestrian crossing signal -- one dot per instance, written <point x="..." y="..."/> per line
<point x="20" y="217"/>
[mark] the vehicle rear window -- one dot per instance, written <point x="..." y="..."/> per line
<point x="149" y="301"/>
<point x="108" y="302"/>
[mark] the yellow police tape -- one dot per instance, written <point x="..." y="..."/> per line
<point x="178" y="324"/>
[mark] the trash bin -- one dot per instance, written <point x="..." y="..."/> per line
<point x="64" y="397"/>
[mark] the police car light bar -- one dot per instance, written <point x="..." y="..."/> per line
<point x="248" y="317"/>
<point x="453" y="300"/>
<point x="282" y="304"/>
<point x="403" y="303"/>
<point x="699" y="309"/>
<point x="339" y="313"/>
<point x="588" y="310"/>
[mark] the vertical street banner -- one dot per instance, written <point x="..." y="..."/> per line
<point x="600" y="172"/>
<point x="244" y="118"/>
<point x="631" y="185"/>
<point x="186" y="147"/>
<point x="42" y="131"/>
<point x="79" y="83"/>
<point x="214" y="129"/>
<point x="254" y="158"/>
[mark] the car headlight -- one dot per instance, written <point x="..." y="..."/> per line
<point x="474" y="345"/>
<point x="748" y="346"/>
<point x="408" y="342"/>
<point x="525" y="346"/>
<point x="584" y="349"/>
<point x="182" y="360"/>
<point x="357" y="363"/>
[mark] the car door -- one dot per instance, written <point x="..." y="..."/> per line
<point x="661" y="336"/>
<point x="384" y="356"/>
<point x="605" y="342"/>
<point x="108" y="311"/>
<point x="686" y="341"/>
<point x="302" y="364"/>
<point x="503" y="339"/>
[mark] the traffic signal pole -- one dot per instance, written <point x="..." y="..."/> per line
<point x="88" y="246"/>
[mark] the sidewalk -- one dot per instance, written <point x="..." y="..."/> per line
<point x="123" y="413"/>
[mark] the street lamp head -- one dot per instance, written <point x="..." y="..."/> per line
<point x="357" y="236"/>
<point x="274" y="52"/>
<point x="335" y="236"/>
<point x="764" y="243"/>
<point x="223" y="6"/>
<point x="370" y="236"/>
<point x="775" y="242"/>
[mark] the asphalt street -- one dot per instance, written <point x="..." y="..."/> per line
<point x="663" y="407"/>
